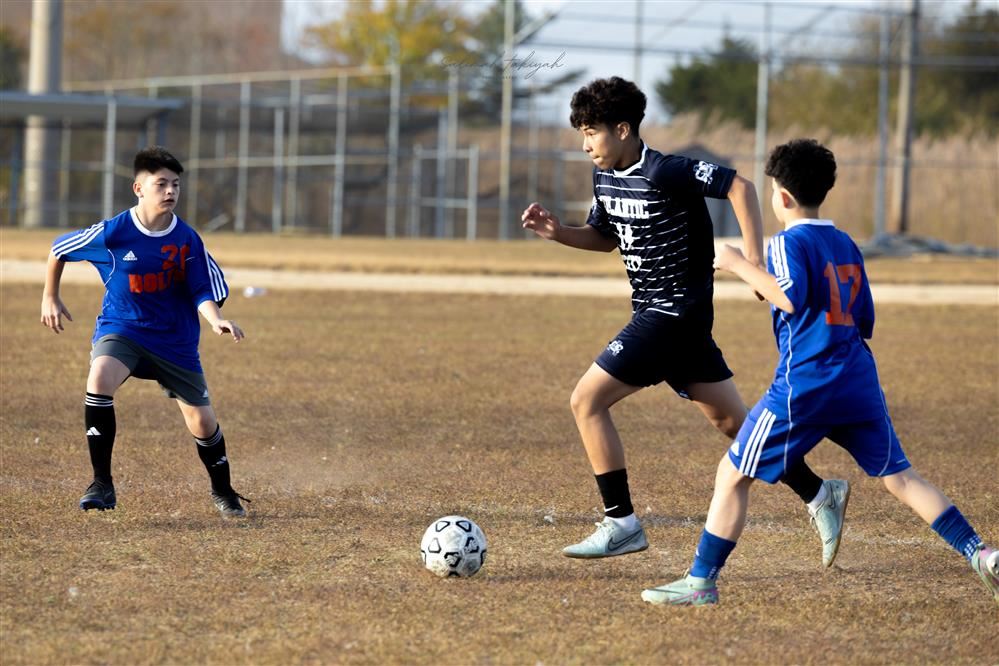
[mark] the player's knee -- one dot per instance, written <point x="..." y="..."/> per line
<point x="727" y="424"/>
<point x="581" y="401"/>
<point x="898" y="484"/>
<point x="201" y="423"/>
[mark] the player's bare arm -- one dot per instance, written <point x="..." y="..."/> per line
<point x="545" y="224"/>
<point x="210" y="311"/>
<point x="53" y="308"/>
<point x="746" y="205"/>
<point x="764" y="284"/>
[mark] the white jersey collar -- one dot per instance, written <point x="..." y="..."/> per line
<point x="636" y="165"/>
<point x="809" y="220"/>
<point x="147" y="232"/>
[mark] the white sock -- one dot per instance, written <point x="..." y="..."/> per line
<point x="814" y="505"/>
<point x="629" y="522"/>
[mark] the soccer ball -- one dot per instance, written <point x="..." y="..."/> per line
<point x="453" y="546"/>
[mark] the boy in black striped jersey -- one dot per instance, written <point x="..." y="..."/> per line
<point x="651" y="207"/>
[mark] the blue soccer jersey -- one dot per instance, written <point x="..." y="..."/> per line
<point x="826" y="372"/>
<point x="154" y="280"/>
<point x="655" y="210"/>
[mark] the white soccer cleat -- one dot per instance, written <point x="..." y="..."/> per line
<point x="608" y="540"/>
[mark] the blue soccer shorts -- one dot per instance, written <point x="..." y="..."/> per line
<point x="768" y="444"/>
<point x="656" y="348"/>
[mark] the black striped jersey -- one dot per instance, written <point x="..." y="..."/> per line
<point x="655" y="210"/>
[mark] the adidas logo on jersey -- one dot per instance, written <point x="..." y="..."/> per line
<point x="130" y="257"/>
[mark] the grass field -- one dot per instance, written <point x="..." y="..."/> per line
<point x="480" y="258"/>
<point x="354" y="420"/>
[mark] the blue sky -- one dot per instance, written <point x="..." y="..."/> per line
<point x="600" y="35"/>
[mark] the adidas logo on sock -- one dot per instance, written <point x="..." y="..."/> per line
<point x="130" y="257"/>
<point x="93" y="432"/>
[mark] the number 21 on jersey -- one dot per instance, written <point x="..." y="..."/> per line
<point x="837" y="315"/>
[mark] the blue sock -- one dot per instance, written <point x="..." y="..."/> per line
<point x="955" y="530"/>
<point x="711" y="554"/>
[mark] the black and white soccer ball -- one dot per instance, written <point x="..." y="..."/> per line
<point x="453" y="546"/>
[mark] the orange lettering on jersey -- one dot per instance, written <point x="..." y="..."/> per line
<point x="135" y="283"/>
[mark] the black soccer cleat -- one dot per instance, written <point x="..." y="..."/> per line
<point x="100" y="495"/>
<point x="228" y="504"/>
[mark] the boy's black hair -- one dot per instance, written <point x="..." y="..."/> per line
<point x="154" y="158"/>
<point x="608" y="102"/>
<point x="805" y="168"/>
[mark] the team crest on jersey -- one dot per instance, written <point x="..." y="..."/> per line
<point x="615" y="347"/>
<point x="704" y="171"/>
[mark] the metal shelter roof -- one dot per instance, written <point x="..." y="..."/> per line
<point x="83" y="108"/>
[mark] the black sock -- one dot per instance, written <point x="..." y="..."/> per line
<point x="98" y="418"/>
<point x="212" y="453"/>
<point x="803" y="481"/>
<point x="614" y="491"/>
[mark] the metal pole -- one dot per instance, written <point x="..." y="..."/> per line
<point x="532" y="146"/>
<point x="471" y="223"/>
<point x="41" y="140"/>
<point x="336" y="225"/>
<point x="194" y="153"/>
<point x="276" y="207"/>
<point x="110" y="129"/>
<point x="415" y="191"/>
<point x="879" y="192"/>
<point x="393" y="147"/>
<point x="638" y="44"/>
<point x="452" y="147"/>
<point x="244" y="150"/>
<point x="441" y="174"/>
<point x="762" y="103"/>
<point x="64" y="173"/>
<point x="291" y="191"/>
<point x="505" y="122"/>
<point x="904" y="126"/>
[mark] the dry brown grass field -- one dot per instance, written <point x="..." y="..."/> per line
<point x="404" y="255"/>
<point x="354" y="420"/>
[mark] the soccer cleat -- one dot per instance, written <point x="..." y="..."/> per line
<point x="100" y="495"/>
<point x="985" y="562"/>
<point x="607" y="541"/>
<point x="228" y="504"/>
<point x="686" y="591"/>
<point x="828" y="518"/>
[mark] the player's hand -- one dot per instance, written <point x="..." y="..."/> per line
<point x="224" y="326"/>
<point x="539" y="220"/>
<point x="728" y="257"/>
<point x="52" y="313"/>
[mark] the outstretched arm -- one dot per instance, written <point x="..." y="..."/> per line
<point x="210" y="311"/>
<point x="543" y="223"/>
<point x="52" y="306"/>
<point x="763" y="283"/>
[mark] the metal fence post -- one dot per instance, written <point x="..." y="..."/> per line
<point x="244" y="150"/>
<point x="473" y="192"/>
<point x="110" y="129"/>
<point x="393" y="149"/>
<point x="278" y="176"/>
<point x="336" y="203"/>
<point x="415" y="191"/>
<point x="194" y="153"/>
<point x="291" y="189"/>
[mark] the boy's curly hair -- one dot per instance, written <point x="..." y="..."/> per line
<point x="154" y="158"/>
<point x="805" y="168"/>
<point x="608" y="102"/>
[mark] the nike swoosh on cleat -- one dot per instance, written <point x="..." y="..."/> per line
<point x="614" y="545"/>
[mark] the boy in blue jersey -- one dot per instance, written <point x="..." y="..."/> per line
<point x="158" y="276"/>
<point x="826" y="382"/>
<point x="651" y="206"/>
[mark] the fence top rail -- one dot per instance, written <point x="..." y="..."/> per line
<point x="223" y="79"/>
